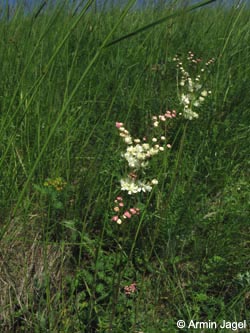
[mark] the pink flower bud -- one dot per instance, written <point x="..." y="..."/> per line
<point x="133" y="211"/>
<point x="118" y="125"/>
<point x="115" y="218"/>
<point x="127" y="214"/>
<point x="130" y="289"/>
<point x="119" y="198"/>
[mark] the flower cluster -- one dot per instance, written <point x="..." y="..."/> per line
<point x="137" y="155"/>
<point x="192" y="92"/>
<point x="57" y="184"/>
<point x="163" y="117"/>
<point x="131" y="289"/>
<point x="132" y="186"/>
<point x="139" y="152"/>
<point x="121" y="213"/>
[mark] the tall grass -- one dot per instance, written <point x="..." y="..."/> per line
<point x="63" y="263"/>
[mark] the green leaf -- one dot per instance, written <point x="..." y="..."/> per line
<point x="100" y="288"/>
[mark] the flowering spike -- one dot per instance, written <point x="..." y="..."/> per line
<point x="139" y="151"/>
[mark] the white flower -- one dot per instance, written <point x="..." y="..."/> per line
<point x="153" y="151"/>
<point x="154" y="181"/>
<point x="189" y="114"/>
<point x="128" y="140"/>
<point x="135" y="155"/>
<point x="145" y="146"/>
<point x="197" y="86"/>
<point x="185" y="99"/>
<point x="144" y="164"/>
<point x="144" y="187"/>
<point x="132" y="161"/>
<point x="130" y="186"/>
<point x="130" y="149"/>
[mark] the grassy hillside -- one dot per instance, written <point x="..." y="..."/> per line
<point x="65" y="265"/>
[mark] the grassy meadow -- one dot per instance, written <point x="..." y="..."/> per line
<point x="65" y="265"/>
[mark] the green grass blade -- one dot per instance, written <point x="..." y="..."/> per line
<point x="64" y="108"/>
<point x="153" y="24"/>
